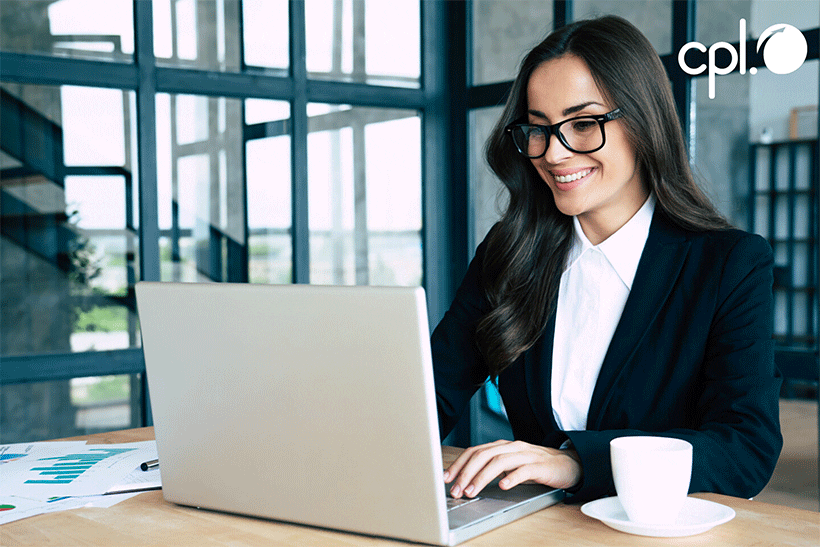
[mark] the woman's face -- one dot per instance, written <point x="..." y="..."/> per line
<point x="603" y="188"/>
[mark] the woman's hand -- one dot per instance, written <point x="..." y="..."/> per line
<point x="476" y="467"/>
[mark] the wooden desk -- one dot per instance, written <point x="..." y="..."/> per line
<point x="148" y="519"/>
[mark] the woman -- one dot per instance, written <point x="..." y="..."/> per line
<point x="611" y="299"/>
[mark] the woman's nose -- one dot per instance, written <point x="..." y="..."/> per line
<point x="556" y="151"/>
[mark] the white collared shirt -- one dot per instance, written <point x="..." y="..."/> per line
<point x="591" y="297"/>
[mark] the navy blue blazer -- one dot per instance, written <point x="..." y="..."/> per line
<point x="692" y="357"/>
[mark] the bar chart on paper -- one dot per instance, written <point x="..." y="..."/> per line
<point x="52" y="470"/>
<point x="68" y="468"/>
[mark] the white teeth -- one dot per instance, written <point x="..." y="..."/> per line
<point x="572" y="177"/>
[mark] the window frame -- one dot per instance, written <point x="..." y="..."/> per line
<point x="443" y="183"/>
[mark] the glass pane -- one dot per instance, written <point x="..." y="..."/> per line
<point x="720" y="21"/>
<point x="265" y="31"/>
<point x="751" y="108"/>
<point x="365" y="205"/>
<point x="485" y="189"/>
<point x="65" y="29"/>
<point x="503" y="32"/>
<point x="202" y="34"/>
<point x="268" y="168"/>
<point x="69" y="253"/>
<point x="51" y="410"/>
<point x="366" y="41"/>
<point x="781" y="104"/>
<point x="721" y="150"/>
<point x="200" y="181"/>
<point x="652" y="17"/>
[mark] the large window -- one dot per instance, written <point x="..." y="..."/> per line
<point x="69" y="250"/>
<point x="364" y="167"/>
<point x="182" y="141"/>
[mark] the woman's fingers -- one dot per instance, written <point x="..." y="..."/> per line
<point x="518" y="461"/>
<point x="497" y="465"/>
<point x="479" y="465"/>
<point x="456" y="467"/>
<point x="519" y="475"/>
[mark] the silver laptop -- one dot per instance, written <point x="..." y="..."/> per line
<point x="307" y="404"/>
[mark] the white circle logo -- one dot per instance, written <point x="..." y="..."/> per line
<point x="784" y="48"/>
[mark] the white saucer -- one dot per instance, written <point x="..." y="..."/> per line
<point x="696" y="517"/>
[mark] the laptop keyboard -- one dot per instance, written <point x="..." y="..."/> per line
<point x="452" y="503"/>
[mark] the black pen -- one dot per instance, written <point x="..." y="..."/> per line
<point x="147" y="466"/>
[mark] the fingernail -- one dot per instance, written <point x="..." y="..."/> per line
<point x="446" y="476"/>
<point x="469" y="490"/>
<point x="504" y="482"/>
<point x="455" y="491"/>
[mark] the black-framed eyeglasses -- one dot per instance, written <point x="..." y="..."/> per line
<point x="583" y="135"/>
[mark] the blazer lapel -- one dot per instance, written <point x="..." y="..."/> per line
<point x="658" y="269"/>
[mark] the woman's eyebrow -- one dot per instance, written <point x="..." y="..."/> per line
<point x="567" y="111"/>
<point x="579" y="107"/>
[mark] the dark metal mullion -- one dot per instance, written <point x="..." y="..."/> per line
<point x="444" y="153"/>
<point x="445" y="240"/>
<point x="683" y="31"/>
<point x="65" y="366"/>
<point x="96" y="171"/>
<point x="562" y="13"/>
<point x="222" y="84"/>
<point x="147" y="146"/>
<point x="364" y="95"/>
<point x="468" y="72"/>
<point x="239" y="259"/>
<point x="263" y="130"/>
<point x="790" y="243"/>
<point x="58" y="71"/>
<point x="752" y="207"/>
<point x="772" y="193"/>
<point x="42" y="70"/>
<point x="242" y="66"/>
<point x="136" y="384"/>
<point x="299" y="159"/>
<point x="482" y="96"/>
<point x="216" y="239"/>
<point x="811" y="274"/>
<point x="147" y="142"/>
<point x="215" y="266"/>
<point x="130" y="274"/>
<point x="176" y="253"/>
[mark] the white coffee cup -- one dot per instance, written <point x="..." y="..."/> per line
<point x="651" y="476"/>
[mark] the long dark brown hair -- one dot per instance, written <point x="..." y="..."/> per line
<point x="527" y="249"/>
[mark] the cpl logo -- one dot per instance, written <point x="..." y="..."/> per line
<point x="784" y="51"/>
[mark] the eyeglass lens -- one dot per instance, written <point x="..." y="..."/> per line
<point x="579" y="135"/>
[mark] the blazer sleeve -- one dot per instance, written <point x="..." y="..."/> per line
<point x="458" y="367"/>
<point x="736" y="438"/>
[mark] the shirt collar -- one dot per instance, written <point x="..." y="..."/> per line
<point x="622" y="249"/>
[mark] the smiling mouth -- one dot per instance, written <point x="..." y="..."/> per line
<point x="573" y="176"/>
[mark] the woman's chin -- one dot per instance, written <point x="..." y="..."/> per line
<point x="569" y="207"/>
